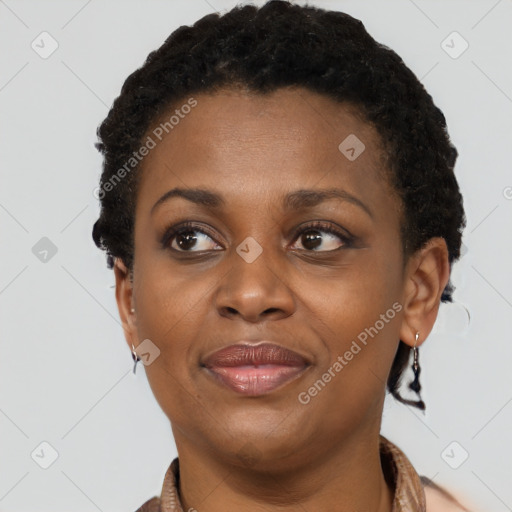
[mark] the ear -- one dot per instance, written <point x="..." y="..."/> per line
<point x="124" y="298"/>
<point x="427" y="274"/>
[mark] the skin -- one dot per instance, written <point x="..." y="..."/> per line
<point x="271" y="452"/>
<point x="437" y="502"/>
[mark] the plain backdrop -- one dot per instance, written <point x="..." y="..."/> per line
<point x="65" y="369"/>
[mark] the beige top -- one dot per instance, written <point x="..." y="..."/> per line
<point x="409" y="492"/>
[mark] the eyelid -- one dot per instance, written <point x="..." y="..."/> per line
<point x="324" y="226"/>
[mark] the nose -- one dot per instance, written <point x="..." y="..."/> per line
<point x="254" y="291"/>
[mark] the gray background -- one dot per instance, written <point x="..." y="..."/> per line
<point x="65" y="367"/>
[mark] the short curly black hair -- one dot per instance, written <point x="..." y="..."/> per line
<point x="278" y="45"/>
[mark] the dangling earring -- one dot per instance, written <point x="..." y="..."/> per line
<point x="415" y="384"/>
<point x="135" y="358"/>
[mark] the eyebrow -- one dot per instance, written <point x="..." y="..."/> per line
<point x="304" y="198"/>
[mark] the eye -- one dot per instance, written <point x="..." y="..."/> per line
<point x="189" y="238"/>
<point x="317" y="237"/>
<point x="321" y="237"/>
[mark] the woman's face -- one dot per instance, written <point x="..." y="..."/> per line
<point x="272" y="259"/>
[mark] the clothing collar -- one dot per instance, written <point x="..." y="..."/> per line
<point x="398" y="471"/>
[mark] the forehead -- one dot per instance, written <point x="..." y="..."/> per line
<point x="238" y="143"/>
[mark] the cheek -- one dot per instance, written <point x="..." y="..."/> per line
<point x="171" y="312"/>
<point x="358" y="318"/>
<point x="167" y="297"/>
<point x="349" y="383"/>
<point x="361" y="330"/>
<point x="354" y="297"/>
<point x="169" y="306"/>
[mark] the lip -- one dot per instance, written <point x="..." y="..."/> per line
<point x="255" y="369"/>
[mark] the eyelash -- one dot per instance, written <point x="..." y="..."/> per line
<point x="174" y="231"/>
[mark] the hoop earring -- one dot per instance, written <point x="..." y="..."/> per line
<point x="415" y="384"/>
<point x="135" y="358"/>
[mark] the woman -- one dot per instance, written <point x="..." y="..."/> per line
<point x="279" y="206"/>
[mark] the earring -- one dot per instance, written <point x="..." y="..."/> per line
<point x="135" y="358"/>
<point x="132" y="310"/>
<point x="415" y="384"/>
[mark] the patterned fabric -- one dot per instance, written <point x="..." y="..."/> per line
<point x="398" y="471"/>
<point x="409" y="493"/>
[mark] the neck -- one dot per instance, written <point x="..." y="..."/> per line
<point x="348" y="478"/>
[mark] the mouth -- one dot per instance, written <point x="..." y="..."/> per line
<point x="254" y="370"/>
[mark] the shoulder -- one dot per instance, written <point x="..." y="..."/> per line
<point x="152" y="505"/>
<point x="438" y="500"/>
